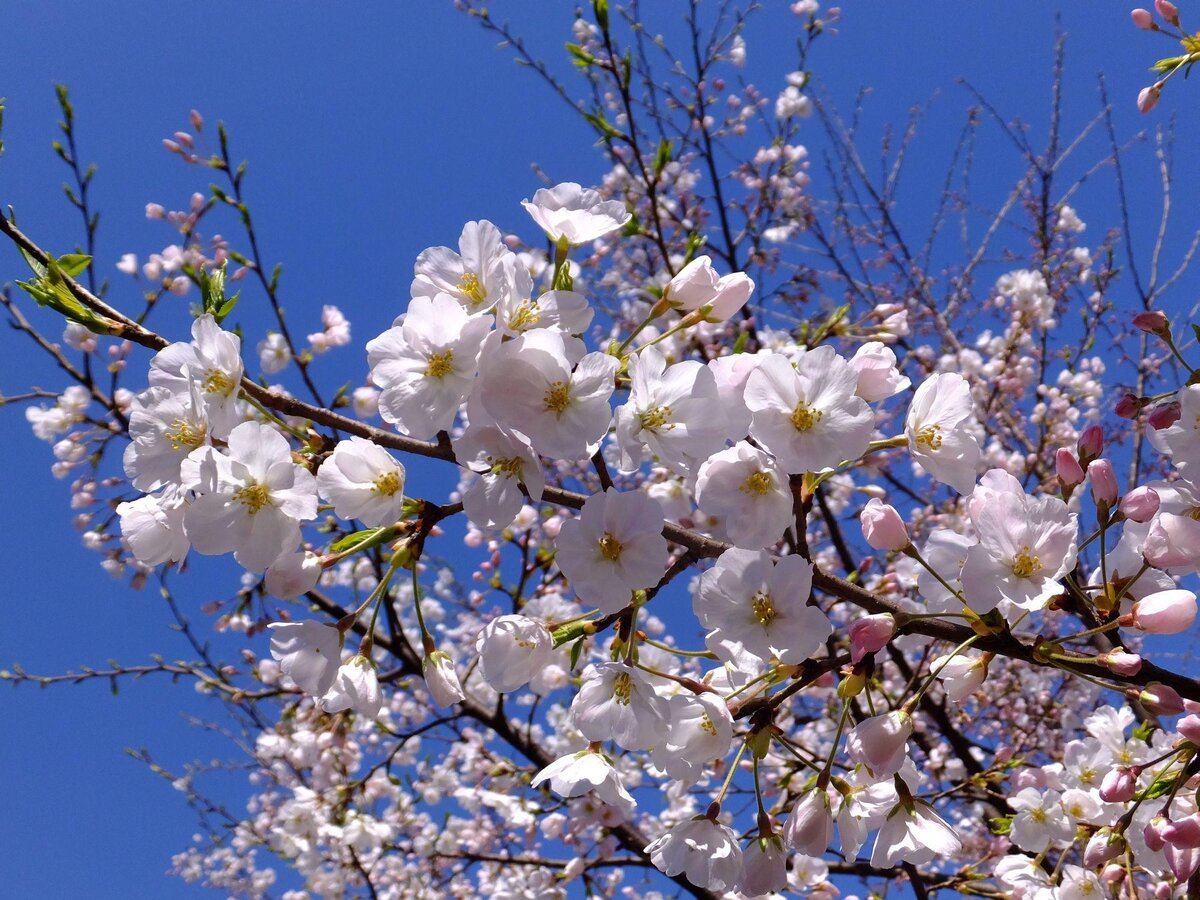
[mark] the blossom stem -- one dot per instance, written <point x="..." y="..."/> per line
<point x="792" y="749"/>
<point x="706" y="654"/>
<point x="294" y="432"/>
<point x="347" y="622"/>
<point x="827" y="769"/>
<point x="426" y="638"/>
<point x="912" y="701"/>
<point x="728" y="778"/>
<point x="1099" y="629"/>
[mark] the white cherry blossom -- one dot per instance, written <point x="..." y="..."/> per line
<point x="362" y="481"/>
<point x="744" y="486"/>
<point x="940" y="431"/>
<point x="212" y="360"/>
<point x="575" y="214"/>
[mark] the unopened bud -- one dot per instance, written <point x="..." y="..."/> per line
<point x="1104" y="482"/>
<point x="1140" y="504"/>
<point x="1158" y="698"/>
<point x="1129" y="406"/>
<point x="1152" y="322"/>
<point x="1147" y="98"/>
<point x="1168" y="10"/>
<point x="1164" y="415"/>
<point x="1121" y="662"/>
<point x="882" y="526"/>
<point x="1067" y="468"/>
<point x="1142" y="19"/>
<point x="1091" y="444"/>
<point x="870" y="634"/>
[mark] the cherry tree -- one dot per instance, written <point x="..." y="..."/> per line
<point x="785" y="557"/>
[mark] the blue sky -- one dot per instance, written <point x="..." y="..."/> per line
<point x="373" y="131"/>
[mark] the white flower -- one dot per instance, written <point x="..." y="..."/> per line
<point x="809" y="827"/>
<point x="307" y="653"/>
<point x="809" y="416"/>
<point x="961" y="676"/>
<point x="336" y="331"/>
<point x="152" y="526"/>
<point x="880" y="742"/>
<point x="1039" y="820"/>
<point x="791" y="103"/>
<point x="164" y="427"/>
<point x="878" y="377"/>
<point x="355" y="686"/>
<point x="499" y="462"/>
<point x="1182" y="439"/>
<point x="914" y="833"/>
<point x="529" y="387"/>
<point x="441" y="680"/>
<point x="701" y="730"/>
<point x="512" y="650"/>
<point x="362" y="481"/>
<point x="576" y="774"/>
<point x="705" y="852"/>
<point x="273" y="353"/>
<point x="752" y="603"/>
<point x="616" y="702"/>
<point x="670" y="411"/>
<point x="744" y="486"/>
<point x="765" y="866"/>
<point x="945" y="550"/>
<point x="213" y="361"/>
<point x="1025" y="545"/>
<point x="250" y="499"/>
<point x="519" y="310"/>
<point x="613" y="548"/>
<point x="293" y="574"/>
<point x="475" y="276"/>
<point x="940" y="432"/>
<point x="574" y="213"/>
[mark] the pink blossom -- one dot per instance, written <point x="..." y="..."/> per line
<point x="882" y="526"/>
<point x="870" y="634"/>
<point x="1140" y="504"/>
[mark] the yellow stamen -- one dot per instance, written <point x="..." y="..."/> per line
<point x="440" y="364"/>
<point x="657" y="417"/>
<point x="183" y="434"/>
<point x="805" y="417"/>
<point x="469" y="284"/>
<point x="764" y="608"/>
<point x="510" y="467"/>
<point x="217" y="382"/>
<point x="623" y="688"/>
<point x="930" y="437"/>
<point x="388" y="484"/>
<point x="1025" y="565"/>
<point x="610" y="547"/>
<point x="758" y="483"/>
<point x="526" y="316"/>
<point x="254" y="495"/>
<point x="557" y="397"/>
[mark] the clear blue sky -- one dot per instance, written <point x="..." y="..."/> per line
<point x="373" y="130"/>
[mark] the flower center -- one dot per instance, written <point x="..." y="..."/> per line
<point x="610" y="547"/>
<point x="217" y="382"/>
<point x="930" y="437"/>
<point x="388" y="484"/>
<point x="440" y="364"/>
<point x="526" y="316"/>
<point x="763" y="607"/>
<point x="183" y="434"/>
<point x="623" y="688"/>
<point x="469" y="284"/>
<point x="509" y="467"/>
<point x="1025" y="565"/>
<point x="558" y="397"/>
<point x="758" y="483"/>
<point x="706" y="725"/>
<point x="656" y="417"/>
<point x="805" y="417"/>
<point x="1193" y="513"/>
<point x="254" y="495"/>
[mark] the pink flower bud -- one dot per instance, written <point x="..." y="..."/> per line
<point x="1164" y="415"/>
<point x="1140" y="504"/>
<point x="1182" y="861"/>
<point x="171" y="146"/>
<point x="870" y="634"/>
<point x="1159" y="699"/>
<point x="1183" y="832"/>
<point x="1152" y="322"/>
<point x="1101" y="847"/>
<point x="1128" y="406"/>
<point x="880" y="742"/>
<point x="1067" y="467"/>
<point x="1091" y="443"/>
<point x="1147" y="98"/>
<point x="1104" y="482"/>
<point x="1114" y="873"/>
<point x="882" y="526"/>
<point x="1168" y="10"/>
<point x="1118" y="786"/>
<point x="197" y="120"/>
<point x="1172" y="541"/>
<point x="1122" y="662"/>
<point x="1189" y="728"/>
<point x="1165" y="612"/>
<point x="1152" y="833"/>
<point x="1142" y="18"/>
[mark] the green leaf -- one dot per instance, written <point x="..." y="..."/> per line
<point x="583" y="59"/>
<point x="600" y="9"/>
<point x="740" y="344"/>
<point x="576" y="652"/>
<point x="602" y="125"/>
<point x="663" y="156"/>
<point x="74" y="263"/>
<point x="354" y="539"/>
<point x="1144" y="730"/>
<point x="1000" y="824"/>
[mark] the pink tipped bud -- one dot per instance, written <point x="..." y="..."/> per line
<point x="1121" y="662"/>
<point x="1118" y="786"/>
<point x="1183" y="832"/>
<point x="1152" y="833"/>
<point x="1142" y="18"/>
<point x="1140" y="504"/>
<point x="1168" y="10"/>
<point x="882" y="526"/>
<point x="1148" y="98"/>
<point x="1114" y="873"/>
<point x="155" y="211"/>
<point x="1067" y="467"/>
<point x="1189" y="728"/>
<point x="1164" y="612"/>
<point x="171" y="146"/>
<point x="1101" y="847"/>
<point x="1159" y="699"/>
<point x="1091" y="444"/>
<point x="870" y="634"/>
<point x="1104" y="482"/>
<point x="184" y="139"/>
<point x="1128" y="406"/>
<point x="1164" y="415"/>
<point x="1152" y="322"/>
<point x="197" y="120"/>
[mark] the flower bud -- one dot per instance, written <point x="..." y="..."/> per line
<point x="1152" y="833"/>
<point x="1091" y="444"/>
<point x="1128" y="406"/>
<point x="694" y="285"/>
<point x="882" y="526"/>
<point x="1118" y="786"/>
<point x="870" y="634"/>
<point x="1152" y="322"/>
<point x="1121" y="662"/>
<point x="1164" y="415"/>
<point x="1067" y="468"/>
<point x="1147" y="98"/>
<point x="1183" y="832"/>
<point x="1164" y="612"/>
<point x="1172" y="541"/>
<point x="1159" y="699"/>
<point x="809" y="829"/>
<point x="1189" y="728"/>
<point x="881" y="742"/>
<point x="733" y="291"/>
<point x="441" y="679"/>
<point x="1168" y="10"/>
<point x="1142" y="19"/>
<point x="1101" y="847"/>
<point x="1104" y="482"/>
<point x="1140" y="504"/>
<point x="197" y="120"/>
